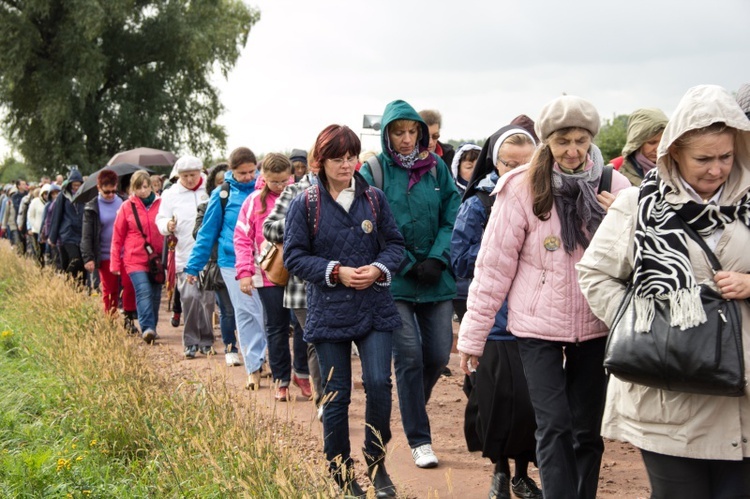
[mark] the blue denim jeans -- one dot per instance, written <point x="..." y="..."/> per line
<point x="248" y="313"/>
<point x="336" y="361"/>
<point x="567" y="387"/>
<point x="421" y="349"/>
<point x="300" y="363"/>
<point x="277" y="333"/>
<point x="226" y="320"/>
<point x="147" y="300"/>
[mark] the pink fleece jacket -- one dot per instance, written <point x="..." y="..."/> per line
<point x="248" y="234"/>
<point x="539" y="281"/>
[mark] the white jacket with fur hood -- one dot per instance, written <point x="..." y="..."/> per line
<point x="661" y="421"/>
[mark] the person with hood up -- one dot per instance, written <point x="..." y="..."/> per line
<point x="645" y="127"/>
<point x="66" y="228"/>
<point x="499" y="418"/>
<point x="693" y="445"/>
<point x="542" y="220"/>
<point x="218" y="226"/>
<point x="176" y="217"/>
<point x="50" y="251"/>
<point x="424" y="199"/>
<point x="135" y="224"/>
<point x="462" y="168"/>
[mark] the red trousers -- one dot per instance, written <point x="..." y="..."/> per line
<point x="111" y="289"/>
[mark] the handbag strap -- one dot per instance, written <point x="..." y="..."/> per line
<point x="146" y="244"/>
<point x="702" y="243"/>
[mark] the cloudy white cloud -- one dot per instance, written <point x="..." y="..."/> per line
<point x="309" y="64"/>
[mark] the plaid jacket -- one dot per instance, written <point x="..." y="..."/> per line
<point x="273" y="230"/>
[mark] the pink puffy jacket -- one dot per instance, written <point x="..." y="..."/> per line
<point x="127" y="252"/>
<point x="248" y="234"/>
<point x="540" y="284"/>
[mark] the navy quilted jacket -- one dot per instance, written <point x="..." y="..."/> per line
<point x="339" y="313"/>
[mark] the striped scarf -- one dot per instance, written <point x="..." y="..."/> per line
<point x="662" y="268"/>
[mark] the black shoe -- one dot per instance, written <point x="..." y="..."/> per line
<point x="344" y="478"/>
<point x="378" y="475"/>
<point x="525" y="488"/>
<point x="446" y="372"/>
<point x="129" y="321"/>
<point x="500" y="488"/>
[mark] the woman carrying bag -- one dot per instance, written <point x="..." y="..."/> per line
<point x="135" y="227"/>
<point x="693" y="445"/>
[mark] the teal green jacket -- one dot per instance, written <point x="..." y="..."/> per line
<point x="424" y="214"/>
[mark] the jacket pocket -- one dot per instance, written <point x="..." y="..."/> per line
<point x="537" y="292"/>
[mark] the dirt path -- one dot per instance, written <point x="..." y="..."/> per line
<point x="461" y="474"/>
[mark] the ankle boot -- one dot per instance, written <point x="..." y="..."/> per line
<point x="500" y="488"/>
<point x="384" y="487"/>
<point x="129" y="321"/>
<point x="344" y="478"/>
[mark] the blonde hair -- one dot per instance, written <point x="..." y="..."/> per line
<point x="139" y="179"/>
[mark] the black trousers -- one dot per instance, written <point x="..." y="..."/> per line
<point x="72" y="263"/>
<point x="567" y="385"/>
<point x="687" y="478"/>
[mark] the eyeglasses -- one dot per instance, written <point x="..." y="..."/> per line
<point x="340" y="161"/>
<point x="509" y="166"/>
<point x="278" y="183"/>
<point x="108" y="192"/>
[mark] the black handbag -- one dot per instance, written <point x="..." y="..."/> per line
<point x="706" y="359"/>
<point x="210" y="278"/>
<point x="156" y="271"/>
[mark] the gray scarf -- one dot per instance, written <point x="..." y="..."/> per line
<point x="576" y="204"/>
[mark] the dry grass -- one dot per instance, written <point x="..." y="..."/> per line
<point x="171" y="437"/>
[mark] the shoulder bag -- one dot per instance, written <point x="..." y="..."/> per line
<point x="156" y="273"/>
<point x="705" y="359"/>
<point x="271" y="260"/>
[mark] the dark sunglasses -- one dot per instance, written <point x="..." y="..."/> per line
<point x="108" y="192"/>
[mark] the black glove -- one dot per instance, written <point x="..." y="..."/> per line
<point x="430" y="271"/>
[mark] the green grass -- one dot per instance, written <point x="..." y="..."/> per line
<point x="84" y="414"/>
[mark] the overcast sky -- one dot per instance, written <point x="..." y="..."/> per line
<point x="308" y="64"/>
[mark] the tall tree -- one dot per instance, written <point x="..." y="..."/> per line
<point x="612" y="136"/>
<point x="83" y="79"/>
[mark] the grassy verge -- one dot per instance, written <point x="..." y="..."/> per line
<point x="83" y="414"/>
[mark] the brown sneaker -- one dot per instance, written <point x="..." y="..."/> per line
<point x="282" y="394"/>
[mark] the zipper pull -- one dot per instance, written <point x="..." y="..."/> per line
<point x="723" y="317"/>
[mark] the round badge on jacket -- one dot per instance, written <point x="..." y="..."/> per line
<point x="367" y="226"/>
<point x="551" y="243"/>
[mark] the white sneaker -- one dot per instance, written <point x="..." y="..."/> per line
<point x="320" y="412"/>
<point x="233" y="359"/>
<point x="424" y="457"/>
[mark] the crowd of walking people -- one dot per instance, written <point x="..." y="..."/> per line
<point x="531" y="241"/>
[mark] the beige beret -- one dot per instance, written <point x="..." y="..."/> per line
<point x="567" y="111"/>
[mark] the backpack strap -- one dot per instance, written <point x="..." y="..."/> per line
<point x="487" y="202"/>
<point x="376" y="169"/>
<point x="605" y="181"/>
<point x="224" y="197"/>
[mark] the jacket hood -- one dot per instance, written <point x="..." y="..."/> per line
<point x="401" y="110"/>
<point x="486" y="162"/>
<point x="459" y="154"/>
<point x="75" y="176"/>
<point x="642" y="125"/>
<point x="700" y="107"/>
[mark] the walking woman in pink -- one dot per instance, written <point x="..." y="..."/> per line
<point x="248" y="243"/>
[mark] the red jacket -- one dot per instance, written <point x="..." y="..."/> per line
<point x="128" y="254"/>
